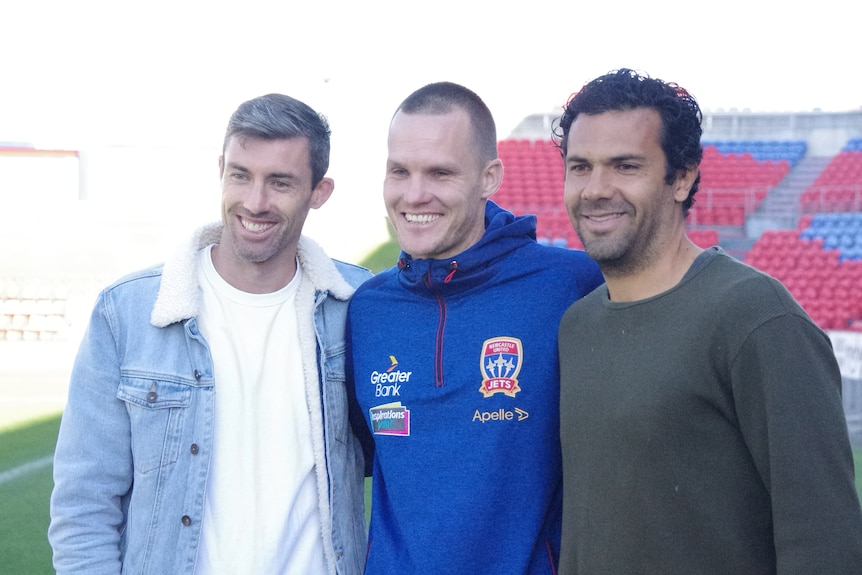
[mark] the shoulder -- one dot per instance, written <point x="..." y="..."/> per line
<point x="133" y="296"/>
<point x="566" y="264"/>
<point x="140" y="279"/>
<point x="553" y="256"/>
<point x="731" y="280"/>
<point x="587" y="306"/>
<point x="339" y="278"/>
<point x="377" y="281"/>
<point x="353" y="274"/>
<point x="740" y="300"/>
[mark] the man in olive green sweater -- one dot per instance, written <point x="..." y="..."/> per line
<point x="701" y="419"/>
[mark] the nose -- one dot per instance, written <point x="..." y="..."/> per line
<point x="595" y="185"/>
<point x="256" y="199"/>
<point x="415" y="190"/>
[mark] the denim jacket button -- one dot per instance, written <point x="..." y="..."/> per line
<point x="152" y="397"/>
<point x="186" y="520"/>
<point x="194" y="449"/>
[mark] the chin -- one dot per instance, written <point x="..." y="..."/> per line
<point x="601" y="251"/>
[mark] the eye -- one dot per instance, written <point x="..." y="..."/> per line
<point x="238" y="176"/>
<point x="281" y="185"/>
<point x="578" y="168"/>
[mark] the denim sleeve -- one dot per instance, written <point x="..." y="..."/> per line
<point x="93" y="462"/>
<point x="354" y="410"/>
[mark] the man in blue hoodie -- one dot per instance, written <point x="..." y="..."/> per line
<point x="454" y="356"/>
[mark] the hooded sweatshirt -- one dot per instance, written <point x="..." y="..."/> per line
<point x="456" y="372"/>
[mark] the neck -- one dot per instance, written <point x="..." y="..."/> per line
<point x="651" y="278"/>
<point x="254" y="277"/>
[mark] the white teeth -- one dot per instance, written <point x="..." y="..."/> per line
<point x="421" y="218"/>
<point x="253" y="227"/>
<point x="603" y="218"/>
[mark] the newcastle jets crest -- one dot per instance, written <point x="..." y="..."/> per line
<point x="501" y="361"/>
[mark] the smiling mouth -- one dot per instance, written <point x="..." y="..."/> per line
<point x="421" y="218"/>
<point x="254" y="226"/>
<point x="602" y="217"/>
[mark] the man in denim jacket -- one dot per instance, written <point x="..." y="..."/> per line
<point x="206" y="429"/>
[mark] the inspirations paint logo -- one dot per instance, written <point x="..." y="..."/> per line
<point x="390" y="419"/>
<point x="500" y="364"/>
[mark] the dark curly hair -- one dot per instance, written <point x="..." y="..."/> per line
<point x="625" y="89"/>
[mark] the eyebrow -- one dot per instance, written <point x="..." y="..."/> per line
<point x="278" y="175"/>
<point x="612" y="160"/>
<point x="283" y="176"/>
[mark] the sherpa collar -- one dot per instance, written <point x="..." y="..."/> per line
<point x="179" y="299"/>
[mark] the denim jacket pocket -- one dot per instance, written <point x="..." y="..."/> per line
<point x="156" y="409"/>
<point x="335" y="394"/>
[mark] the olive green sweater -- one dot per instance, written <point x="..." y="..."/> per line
<point x="703" y="432"/>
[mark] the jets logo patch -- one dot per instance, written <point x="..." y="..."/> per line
<point x="500" y="364"/>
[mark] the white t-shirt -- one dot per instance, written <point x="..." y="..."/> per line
<point x="261" y="513"/>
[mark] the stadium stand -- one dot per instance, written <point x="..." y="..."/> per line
<point x="839" y="187"/>
<point x="735" y="183"/>
<point x="32" y="311"/>
<point x="840" y="231"/>
<point x="828" y="287"/>
<point x="761" y="150"/>
<point x="820" y="261"/>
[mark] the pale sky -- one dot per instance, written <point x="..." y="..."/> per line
<point x="159" y="79"/>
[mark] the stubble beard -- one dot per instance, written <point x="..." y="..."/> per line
<point x="619" y="256"/>
<point x="254" y="252"/>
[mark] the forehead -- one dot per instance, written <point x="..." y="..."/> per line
<point x="417" y="136"/>
<point x="616" y="132"/>
<point x="262" y="152"/>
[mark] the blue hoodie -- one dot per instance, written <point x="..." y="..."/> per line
<point x="456" y="372"/>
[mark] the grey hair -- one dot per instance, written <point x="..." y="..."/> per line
<point x="280" y="117"/>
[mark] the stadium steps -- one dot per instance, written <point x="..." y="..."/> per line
<point x="781" y="208"/>
<point x="736" y="246"/>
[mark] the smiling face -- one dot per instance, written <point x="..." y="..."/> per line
<point x="436" y="185"/>
<point x="616" y="194"/>
<point x="266" y="195"/>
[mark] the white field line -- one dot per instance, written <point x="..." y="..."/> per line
<point x="25" y="468"/>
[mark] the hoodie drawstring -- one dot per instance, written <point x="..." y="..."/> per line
<point x="453" y="267"/>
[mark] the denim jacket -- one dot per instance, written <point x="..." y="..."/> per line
<point x="133" y="454"/>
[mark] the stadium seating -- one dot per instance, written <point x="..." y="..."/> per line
<point x="734" y="183"/>
<point x="791" y="151"/>
<point x="839" y="231"/>
<point x="853" y="144"/>
<point x="826" y="284"/>
<point x="820" y="261"/>
<point x="32" y="311"/>
<point x="839" y="187"/>
<point x="703" y="238"/>
<point x="735" y="179"/>
<point x="533" y="177"/>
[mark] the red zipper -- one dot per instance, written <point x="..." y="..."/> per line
<point x="438" y="341"/>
